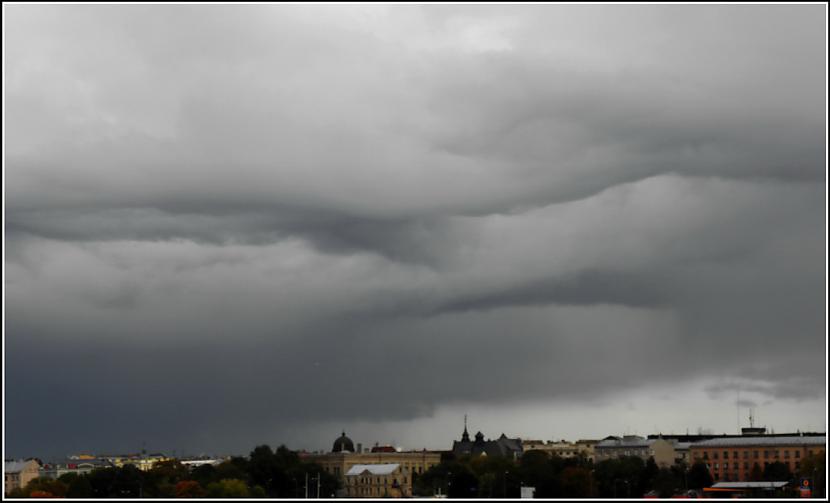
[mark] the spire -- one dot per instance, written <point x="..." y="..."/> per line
<point x="465" y="437"/>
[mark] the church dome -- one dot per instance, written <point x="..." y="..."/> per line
<point x="343" y="444"/>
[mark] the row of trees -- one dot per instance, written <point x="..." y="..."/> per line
<point x="264" y="474"/>
<point x="555" y="477"/>
<point x="282" y="474"/>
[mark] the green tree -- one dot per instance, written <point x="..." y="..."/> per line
<point x="777" y="471"/>
<point x="667" y="483"/>
<point x="699" y="476"/>
<point x="205" y="474"/>
<point x="647" y="476"/>
<point x="813" y="467"/>
<point x="575" y="482"/>
<point x="756" y="473"/>
<point x="228" y="488"/>
<point x="78" y="486"/>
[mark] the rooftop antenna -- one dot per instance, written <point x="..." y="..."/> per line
<point x="752" y="417"/>
<point x="738" y="409"/>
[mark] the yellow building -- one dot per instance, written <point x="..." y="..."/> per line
<point x="143" y="462"/>
<point x="376" y="481"/>
<point x="344" y="457"/>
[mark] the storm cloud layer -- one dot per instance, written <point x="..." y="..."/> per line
<point x="222" y="222"/>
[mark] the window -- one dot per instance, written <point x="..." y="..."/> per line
<point x="786" y="454"/>
<point x="746" y="454"/>
<point x="726" y="466"/>
<point x="797" y="454"/>
<point x="725" y="454"/>
<point x="766" y="454"/>
<point x="715" y="455"/>
<point x="797" y="465"/>
<point x="755" y="454"/>
<point x="716" y="466"/>
<point x="705" y="455"/>
<point x="746" y="465"/>
<point x="734" y="454"/>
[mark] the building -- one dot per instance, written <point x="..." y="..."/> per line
<point x="18" y="474"/>
<point x="732" y="459"/>
<point x="662" y="450"/>
<point x="586" y="447"/>
<point x="377" y="481"/>
<point x="502" y="446"/>
<point x="76" y="465"/>
<point x="562" y="448"/>
<point x="143" y="462"/>
<point x="343" y="457"/>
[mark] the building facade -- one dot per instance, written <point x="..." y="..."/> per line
<point x="343" y="458"/>
<point x="662" y="450"/>
<point x="733" y="459"/>
<point x="563" y="449"/>
<point x="502" y="446"/>
<point x="377" y="481"/>
<point x="18" y="474"/>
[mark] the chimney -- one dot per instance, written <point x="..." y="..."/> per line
<point x="359" y="448"/>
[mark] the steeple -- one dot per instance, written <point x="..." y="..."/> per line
<point x="465" y="437"/>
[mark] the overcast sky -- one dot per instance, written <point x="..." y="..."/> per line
<point x="234" y="225"/>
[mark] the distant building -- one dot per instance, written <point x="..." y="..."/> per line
<point x="586" y="447"/>
<point x="662" y="450"/>
<point x="502" y="446"/>
<point x="343" y="457"/>
<point x="195" y="463"/>
<point x="377" y="481"/>
<point x="732" y="459"/>
<point x="561" y="449"/>
<point x="75" y="464"/>
<point x="18" y="474"/>
<point x="143" y="462"/>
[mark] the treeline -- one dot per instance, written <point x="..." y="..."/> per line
<point x="555" y="477"/>
<point x="264" y="474"/>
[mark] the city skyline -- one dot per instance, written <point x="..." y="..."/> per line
<point x="227" y="225"/>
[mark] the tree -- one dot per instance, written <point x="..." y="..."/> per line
<point x="189" y="489"/>
<point x="756" y="474"/>
<point x="699" y="476"/>
<point x="647" y="476"/>
<point x="79" y="486"/>
<point x="619" y="477"/>
<point x="463" y="484"/>
<point x="55" y="488"/>
<point x="813" y="467"/>
<point x="41" y="494"/>
<point x="777" y="471"/>
<point x="575" y="482"/>
<point x="204" y="475"/>
<point x="228" y="488"/>
<point x="538" y="469"/>
<point x="667" y="483"/>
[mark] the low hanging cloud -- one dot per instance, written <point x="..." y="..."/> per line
<point x="251" y="217"/>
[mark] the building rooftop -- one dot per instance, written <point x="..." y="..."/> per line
<point x="14" y="466"/>
<point x="750" y="485"/>
<point x="761" y="440"/>
<point x="625" y="442"/>
<point x="382" y="469"/>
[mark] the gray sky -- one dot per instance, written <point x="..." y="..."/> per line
<point x="234" y="225"/>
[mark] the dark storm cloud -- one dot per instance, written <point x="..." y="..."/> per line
<point x="245" y="218"/>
